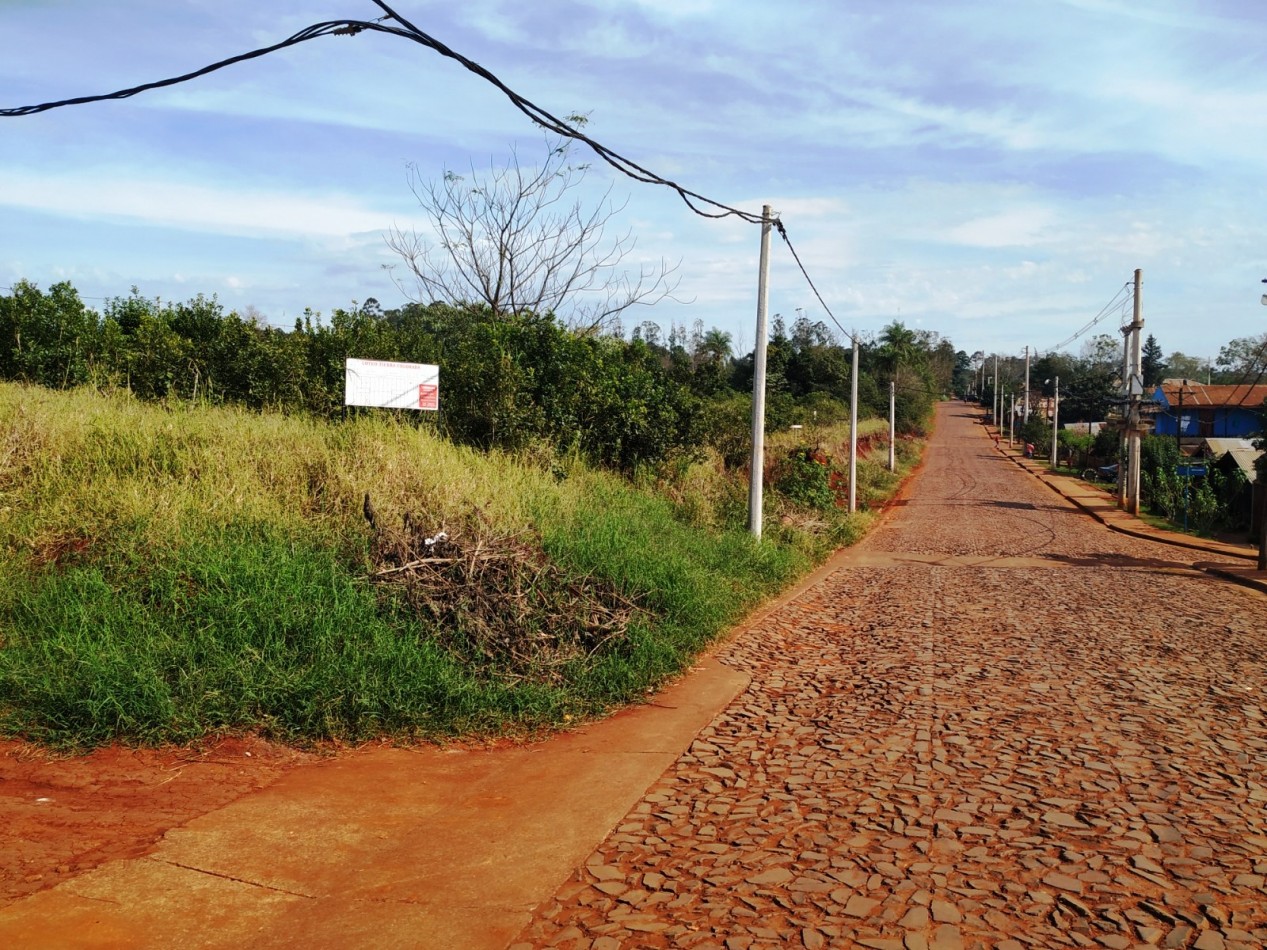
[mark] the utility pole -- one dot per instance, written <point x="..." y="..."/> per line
<point x="1011" y="421"/>
<point x="1136" y="395"/>
<point x="756" y="472"/>
<point x="1055" y="427"/>
<point x="1262" y="540"/>
<point x="892" y="425"/>
<point x="1179" y="423"/>
<point x="994" y="404"/>
<point x="1026" y="416"/>
<point x="853" y="431"/>
<point x="1124" y="444"/>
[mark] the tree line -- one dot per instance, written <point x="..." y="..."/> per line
<point x="509" y="381"/>
<point x="1090" y="382"/>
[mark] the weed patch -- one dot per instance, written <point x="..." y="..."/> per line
<point x="173" y="571"/>
<point x="496" y="602"/>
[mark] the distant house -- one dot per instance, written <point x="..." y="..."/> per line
<point x="1083" y="428"/>
<point x="1232" y="454"/>
<point x="1198" y="411"/>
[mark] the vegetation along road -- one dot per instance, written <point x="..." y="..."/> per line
<point x="998" y="725"/>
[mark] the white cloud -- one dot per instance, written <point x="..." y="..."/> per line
<point x="1015" y="227"/>
<point x="220" y="210"/>
<point x="1163" y="14"/>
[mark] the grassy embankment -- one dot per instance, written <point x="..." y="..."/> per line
<point x="170" y="572"/>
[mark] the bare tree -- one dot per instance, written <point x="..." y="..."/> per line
<point x="519" y="239"/>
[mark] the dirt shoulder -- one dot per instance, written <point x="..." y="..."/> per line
<point x="64" y="815"/>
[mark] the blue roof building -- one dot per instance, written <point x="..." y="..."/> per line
<point x="1198" y="411"/>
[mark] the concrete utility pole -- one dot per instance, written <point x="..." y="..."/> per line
<point x="1136" y="395"/>
<point x="1055" y="427"/>
<point x="892" y="425"/>
<point x="1026" y="416"/>
<point x="756" y="472"/>
<point x="1011" y="421"/>
<point x="994" y="406"/>
<point x="853" y="431"/>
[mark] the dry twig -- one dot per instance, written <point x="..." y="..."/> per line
<point x="497" y="601"/>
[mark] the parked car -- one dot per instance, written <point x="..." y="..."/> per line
<point x="1105" y="473"/>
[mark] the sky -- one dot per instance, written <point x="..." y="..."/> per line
<point x="992" y="172"/>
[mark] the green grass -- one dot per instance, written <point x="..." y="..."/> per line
<point x="169" y="572"/>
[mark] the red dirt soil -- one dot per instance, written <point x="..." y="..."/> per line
<point x="64" y="815"/>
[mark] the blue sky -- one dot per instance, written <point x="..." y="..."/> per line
<point x="990" y="171"/>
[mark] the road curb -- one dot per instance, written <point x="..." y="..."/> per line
<point x="1246" y="577"/>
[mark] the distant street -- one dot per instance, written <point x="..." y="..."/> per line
<point x="997" y="725"/>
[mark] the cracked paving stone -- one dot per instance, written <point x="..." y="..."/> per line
<point x="981" y="710"/>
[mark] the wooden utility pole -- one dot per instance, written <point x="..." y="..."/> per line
<point x="1055" y="427"/>
<point x="1026" y="414"/>
<point x="1262" y="513"/>
<point x="1135" y="390"/>
<point x="756" y="472"/>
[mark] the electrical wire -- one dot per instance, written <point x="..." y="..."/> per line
<point x="778" y="224"/>
<point x="698" y="203"/>
<point x="1108" y="308"/>
<point x="343" y="27"/>
<point x="409" y="31"/>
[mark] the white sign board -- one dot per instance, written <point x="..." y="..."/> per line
<point x="391" y="385"/>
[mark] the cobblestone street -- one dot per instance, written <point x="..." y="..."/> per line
<point x="997" y="725"/>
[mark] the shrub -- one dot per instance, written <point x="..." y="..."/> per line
<point x="804" y="478"/>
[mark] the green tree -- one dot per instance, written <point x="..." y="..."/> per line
<point x="816" y="363"/>
<point x="1152" y="362"/>
<point x="1243" y="357"/>
<point x="963" y="378"/>
<point x="47" y="338"/>
<point x="713" y="363"/>
<point x="1182" y="366"/>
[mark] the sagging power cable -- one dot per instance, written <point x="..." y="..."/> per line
<point x="1108" y="308"/>
<point x="698" y="203"/>
<point x="406" y="30"/>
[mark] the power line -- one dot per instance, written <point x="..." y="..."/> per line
<point x="408" y="31"/>
<point x="698" y="203"/>
<point x="788" y="241"/>
<point x="1108" y="308"/>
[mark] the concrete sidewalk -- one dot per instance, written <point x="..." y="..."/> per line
<point x="1237" y="562"/>
<point x="414" y="847"/>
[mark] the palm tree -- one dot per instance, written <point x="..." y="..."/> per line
<point x="899" y="347"/>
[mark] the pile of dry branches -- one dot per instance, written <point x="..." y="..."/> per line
<point x="496" y="601"/>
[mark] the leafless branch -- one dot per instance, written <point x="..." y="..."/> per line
<point x="520" y="239"/>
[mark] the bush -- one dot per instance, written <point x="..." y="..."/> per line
<point x="804" y="478"/>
